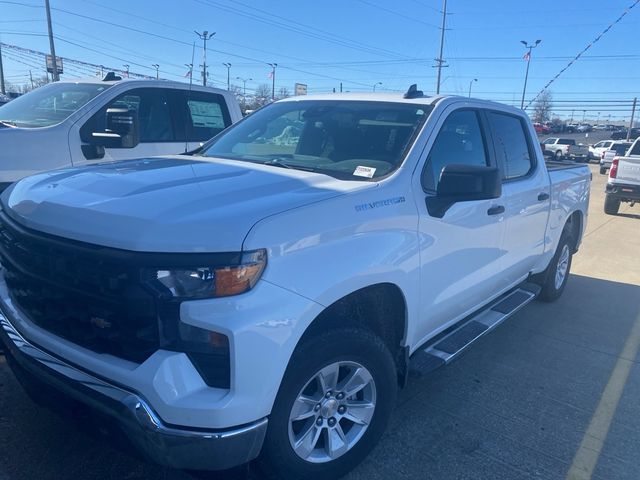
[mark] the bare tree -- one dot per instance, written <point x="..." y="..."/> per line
<point x="543" y="106"/>
<point x="262" y="96"/>
<point x="283" y="93"/>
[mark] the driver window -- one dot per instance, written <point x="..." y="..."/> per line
<point x="459" y="141"/>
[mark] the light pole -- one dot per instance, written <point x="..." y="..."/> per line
<point x="598" y="120"/>
<point x="126" y="70"/>
<point x="527" y="57"/>
<point x="584" y="113"/>
<point x="375" y="85"/>
<point x="157" y="67"/>
<point x="228" y="65"/>
<point x="273" y="80"/>
<point x="572" y="112"/>
<point x="244" y="84"/>
<point x="471" y="83"/>
<point x="204" y="36"/>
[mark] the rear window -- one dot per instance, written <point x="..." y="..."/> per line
<point x="566" y="141"/>
<point x="621" y="148"/>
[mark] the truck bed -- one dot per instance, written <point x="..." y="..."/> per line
<point x="553" y="165"/>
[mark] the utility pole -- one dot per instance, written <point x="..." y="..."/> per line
<point x="31" y="78"/>
<point x="527" y="57"/>
<point x="126" y="71"/>
<point x="471" y="83"/>
<point x="157" y="67"/>
<point x="340" y="87"/>
<point x="54" y="61"/>
<point x="2" y="88"/>
<point x="633" y="114"/>
<point x="273" y="80"/>
<point x="204" y="36"/>
<point x="228" y="65"/>
<point x="440" y="60"/>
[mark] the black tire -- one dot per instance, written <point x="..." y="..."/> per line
<point x="547" y="279"/>
<point x="603" y="170"/>
<point x="611" y="205"/>
<point x="558" y="155"/>
<point x="278" y="458"/>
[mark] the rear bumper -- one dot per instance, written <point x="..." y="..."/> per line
<point x="173" y="446"/>
<point x="623" y="191"/>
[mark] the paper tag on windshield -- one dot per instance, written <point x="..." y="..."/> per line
<point x="364" y="172"/>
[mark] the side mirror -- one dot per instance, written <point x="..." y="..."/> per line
<point x="123" y="129"/>
<point x="464" y="183"/>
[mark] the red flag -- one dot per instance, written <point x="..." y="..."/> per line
<point x="527" y="56"/>
<point x="270" y="75"/>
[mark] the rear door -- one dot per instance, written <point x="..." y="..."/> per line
<point x="526" y="192"/>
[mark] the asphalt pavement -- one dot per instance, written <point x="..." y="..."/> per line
<point x="551" y="394"/>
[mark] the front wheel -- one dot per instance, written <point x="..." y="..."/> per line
<point x="611" y="205"/>
<point x="332" y="407"/>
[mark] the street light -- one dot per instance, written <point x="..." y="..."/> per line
<point x="273" y="80"/>
<point x="244" y="84"/>
<point x="471" y="83"/>
<point x="527" y="57"/>
<point x="584" y="113"/>
<point x="204" y="36"/>
<point x="228" y="65"/>
<point x="157" y="67"/>
<point x="126" y="67"/>
<point x="375" y="85"/>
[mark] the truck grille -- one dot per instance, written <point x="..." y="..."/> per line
<point x="80" y="293"/>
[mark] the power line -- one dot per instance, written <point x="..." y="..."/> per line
<point x="604" y="32"/>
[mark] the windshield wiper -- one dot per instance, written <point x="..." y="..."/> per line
<point x="8" y="124"/>
<point x="278" y="163"/>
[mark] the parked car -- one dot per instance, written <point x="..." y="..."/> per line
<point x="541" y="129"/>
<point x="562" y="148"/>
<point x="596" y="150"/>
<point x="266" y="297"/>
<point x="571" y="128"/>
<point x="584" y="128"/>
<point x="617" y="149"/>
<point x="81" y="122"/>
<point x="622" y="134"/>
<point x="623" y="184"/>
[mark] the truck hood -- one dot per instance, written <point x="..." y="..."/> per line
<point x="165" y="204"/>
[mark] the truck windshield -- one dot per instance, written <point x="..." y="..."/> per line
<point x="48" y="105"/>
<point x="349" y="140"/>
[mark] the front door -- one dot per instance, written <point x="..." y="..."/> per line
<point x="460" y="253"/>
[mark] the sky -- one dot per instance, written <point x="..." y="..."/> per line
<point x="360" y="43"/>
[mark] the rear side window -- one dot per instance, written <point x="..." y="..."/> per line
<point x="459" y="141"/>
<point x="635" y="150"/>
<point x="511" y="145"/>
<point x="205" y="115"/>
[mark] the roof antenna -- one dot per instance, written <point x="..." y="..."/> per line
<point x="413" y="92"/>
<point x="186" y="133"/>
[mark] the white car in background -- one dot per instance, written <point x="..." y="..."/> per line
<point x="624" y="180"/>
<point x="617" y="149"/>
<point x="596" y="150"/>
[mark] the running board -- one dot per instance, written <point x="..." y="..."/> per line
<point x="447" y="347"/>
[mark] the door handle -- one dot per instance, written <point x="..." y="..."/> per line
<point x="543" y="196"/>
<point x="497" y="210"/>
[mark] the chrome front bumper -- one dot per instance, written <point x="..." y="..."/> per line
<point x="173" y="446"/>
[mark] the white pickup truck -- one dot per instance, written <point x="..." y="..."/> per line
<point x="562" y="148"/>
<point x="623" y="184"/>
<point x="267" y="297"/>
<point x="73" y="123"/>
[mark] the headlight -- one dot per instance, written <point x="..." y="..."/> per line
<point x="209" y="281"/>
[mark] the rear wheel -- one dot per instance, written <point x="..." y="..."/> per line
<point x="554" y="278"/>
<point x="332" y="407"/>
<point x="611" y="205"/>
<point x="603" y="170"/>
<point x="558" y="155"/>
